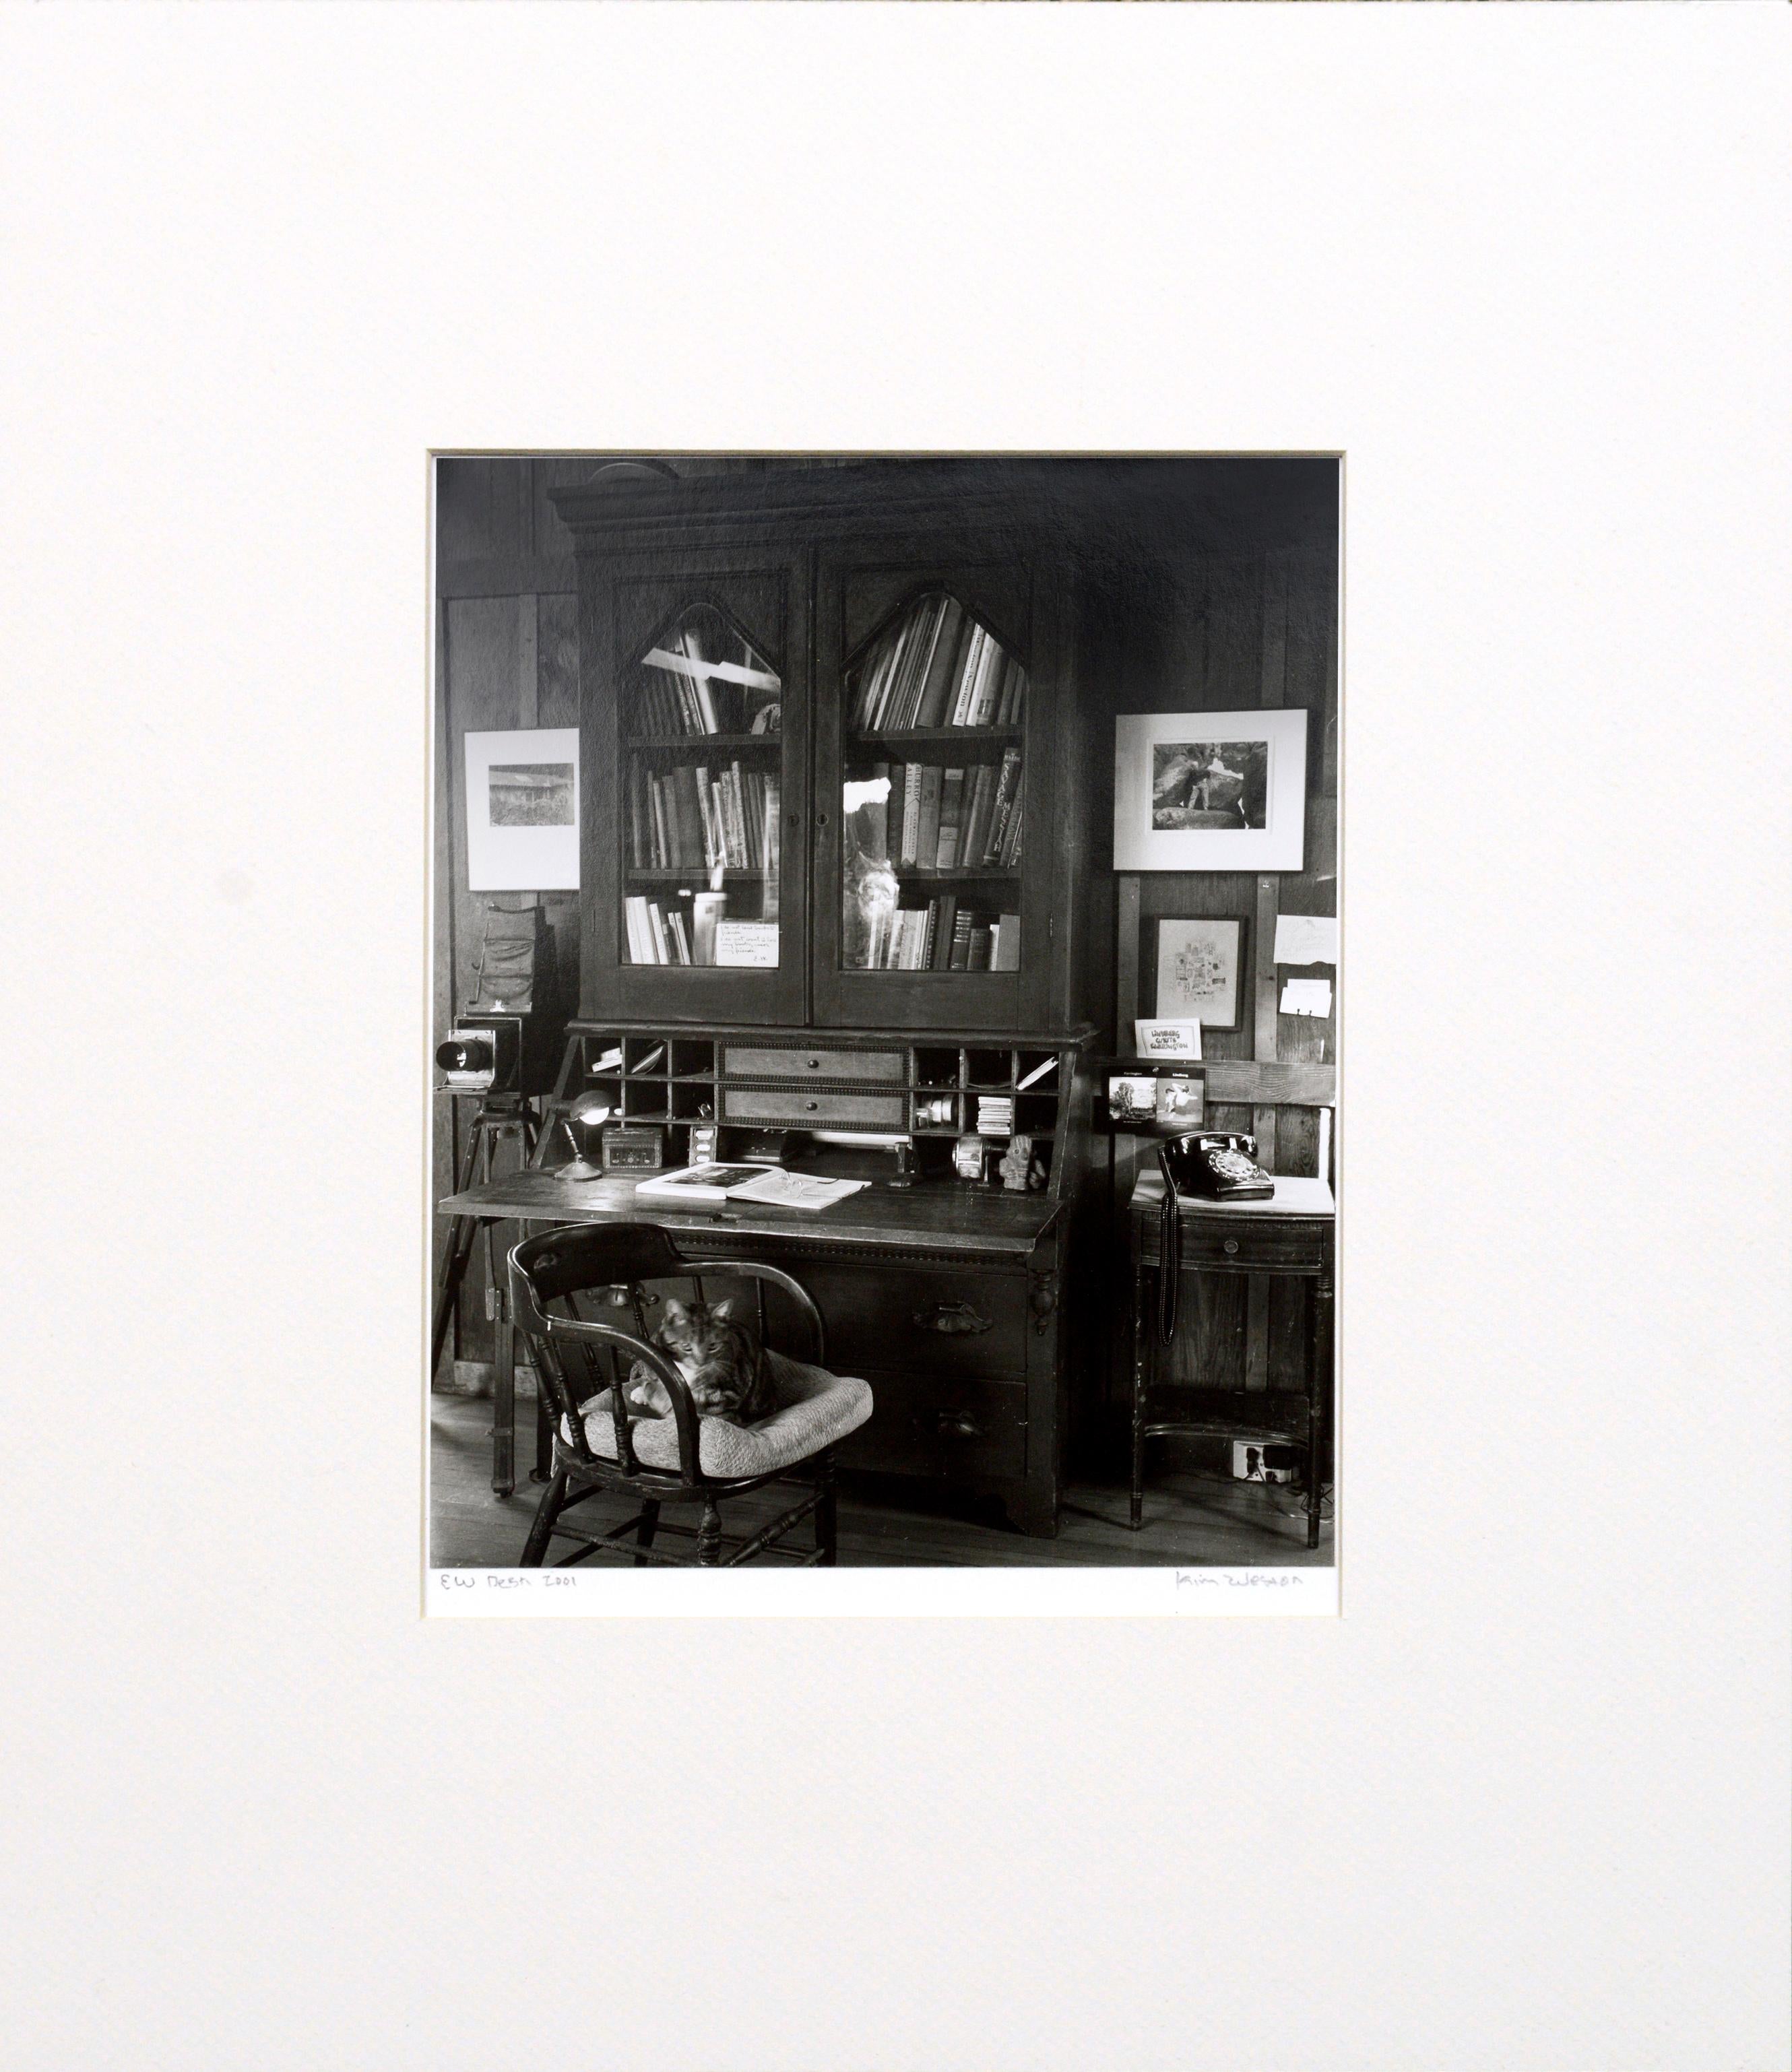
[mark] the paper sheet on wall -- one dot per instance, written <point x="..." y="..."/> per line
<point x="1307" y="995"/>
<point x="1306" y="939"/>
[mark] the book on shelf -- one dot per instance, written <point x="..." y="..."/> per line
<point x="1004" y="943"/>
<point x="1008" y="792"/>
<point x="970" y="662"/>
<point x="911" y="811"/>
<point x="926" y="840"/>
<point x="979" y="958"/>
<point x="951" y="808"/>
<point x="770" y="850"/>
<point x="939" y="958"/>
<point x="976" y="815"/>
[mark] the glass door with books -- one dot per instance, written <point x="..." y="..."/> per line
<point x="922" y="907"/>
<point x="704" y="777"/>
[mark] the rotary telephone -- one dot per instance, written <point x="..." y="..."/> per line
<point x="1210" y="1166"/>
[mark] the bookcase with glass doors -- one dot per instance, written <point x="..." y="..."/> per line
<point x="823" y="721"/>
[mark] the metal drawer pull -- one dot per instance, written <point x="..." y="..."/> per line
<point x="957" y="1424"/>
<point x="1231" y="1245"/>
<point x="956" y="1319"/>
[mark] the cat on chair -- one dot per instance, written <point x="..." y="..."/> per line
<point x="723" y="1363"/>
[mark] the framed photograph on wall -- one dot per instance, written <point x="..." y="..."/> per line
<point x="1210" y="790"/>
<point x="1201" y="971"/>
<point x="522" y="810"/>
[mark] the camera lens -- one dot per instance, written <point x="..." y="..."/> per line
<point x="462" y="1054"/>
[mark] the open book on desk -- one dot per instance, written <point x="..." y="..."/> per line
<point x="778" y="1189"/>
<point x="771" y="1185"/>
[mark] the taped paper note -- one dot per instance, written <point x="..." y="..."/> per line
<point x="1306" y="939"/>
<point x="1307" y="995"/>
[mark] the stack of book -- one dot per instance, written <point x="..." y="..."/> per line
<point x="682" y="692"/>
<point x="943" y="936"/>
<point x="656" y="934"/>
<point x="957" y="819"/>
<point x="686" y="820"/>
<point x="995" y="1114"/>
<point x="936" y="667"/>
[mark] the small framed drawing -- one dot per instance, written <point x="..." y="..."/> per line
<point x="1200" y="966"/>
<point x="1210" y="790"/>
<point x="1167" y="1039"/>
<point x="522" y="810"/>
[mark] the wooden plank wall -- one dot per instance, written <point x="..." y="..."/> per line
<point x="1222" y="634"/>
<point x="506" y="656"/>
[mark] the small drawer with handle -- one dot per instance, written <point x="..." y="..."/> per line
<point x="815" y="1111"/>
<point x="754" y="1062"/>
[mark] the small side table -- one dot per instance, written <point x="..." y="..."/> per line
<point x="1291" y="1233"/>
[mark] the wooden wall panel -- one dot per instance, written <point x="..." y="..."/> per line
<point x="490" y="644"/>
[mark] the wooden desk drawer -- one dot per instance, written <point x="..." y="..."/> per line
<point x="918" y="1321"/>
<point x="1255" y="1244"/>
<point x="749" y="1062"/>
<point x="796" y="1105"/>
<point x="932" y="1424"/>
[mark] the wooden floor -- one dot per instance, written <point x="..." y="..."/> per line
<point x="885" y="1522"/>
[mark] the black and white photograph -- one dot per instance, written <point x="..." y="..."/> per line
<point x="788" y="1212"/>
<point x="1209" y="784"/>
<point x="531" y="794"/>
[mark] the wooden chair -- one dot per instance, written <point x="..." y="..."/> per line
<point x="603" y="1441"/>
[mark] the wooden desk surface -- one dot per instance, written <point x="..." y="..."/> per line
<point x="1291" y="1197"/>
<point x="932" y="1216"/>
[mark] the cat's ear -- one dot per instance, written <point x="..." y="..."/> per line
<point x="733" y="1307"/>
<point x="676" y="1312"/>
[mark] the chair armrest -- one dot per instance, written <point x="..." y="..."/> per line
<point x="539" y="1324"/>
<point x="751" y="1269"/>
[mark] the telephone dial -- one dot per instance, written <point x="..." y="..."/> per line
<point x="1210" y="1166"/>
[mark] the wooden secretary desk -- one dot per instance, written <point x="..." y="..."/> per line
<point x="836" y="791"/>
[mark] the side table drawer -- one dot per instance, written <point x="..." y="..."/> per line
<point x="795" y="1105"/>
<point x="917" y="1321"/>
<point x="1252" y="1244"/>
<point x="931" y="1425"/>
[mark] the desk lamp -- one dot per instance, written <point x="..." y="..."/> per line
<point x="587" y="1113"/>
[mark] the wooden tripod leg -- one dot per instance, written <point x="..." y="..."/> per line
<point x="463" y="1232"/>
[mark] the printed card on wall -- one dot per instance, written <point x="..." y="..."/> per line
<point x="522" y="810"/>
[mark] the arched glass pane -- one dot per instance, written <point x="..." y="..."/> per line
<point x="932" y="794"/>
<point x="702" y="758"/>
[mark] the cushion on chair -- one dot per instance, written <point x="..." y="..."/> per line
<point x="815" y="1408"/>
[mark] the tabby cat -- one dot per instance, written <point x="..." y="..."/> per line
<point x="719" y="1357"/>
